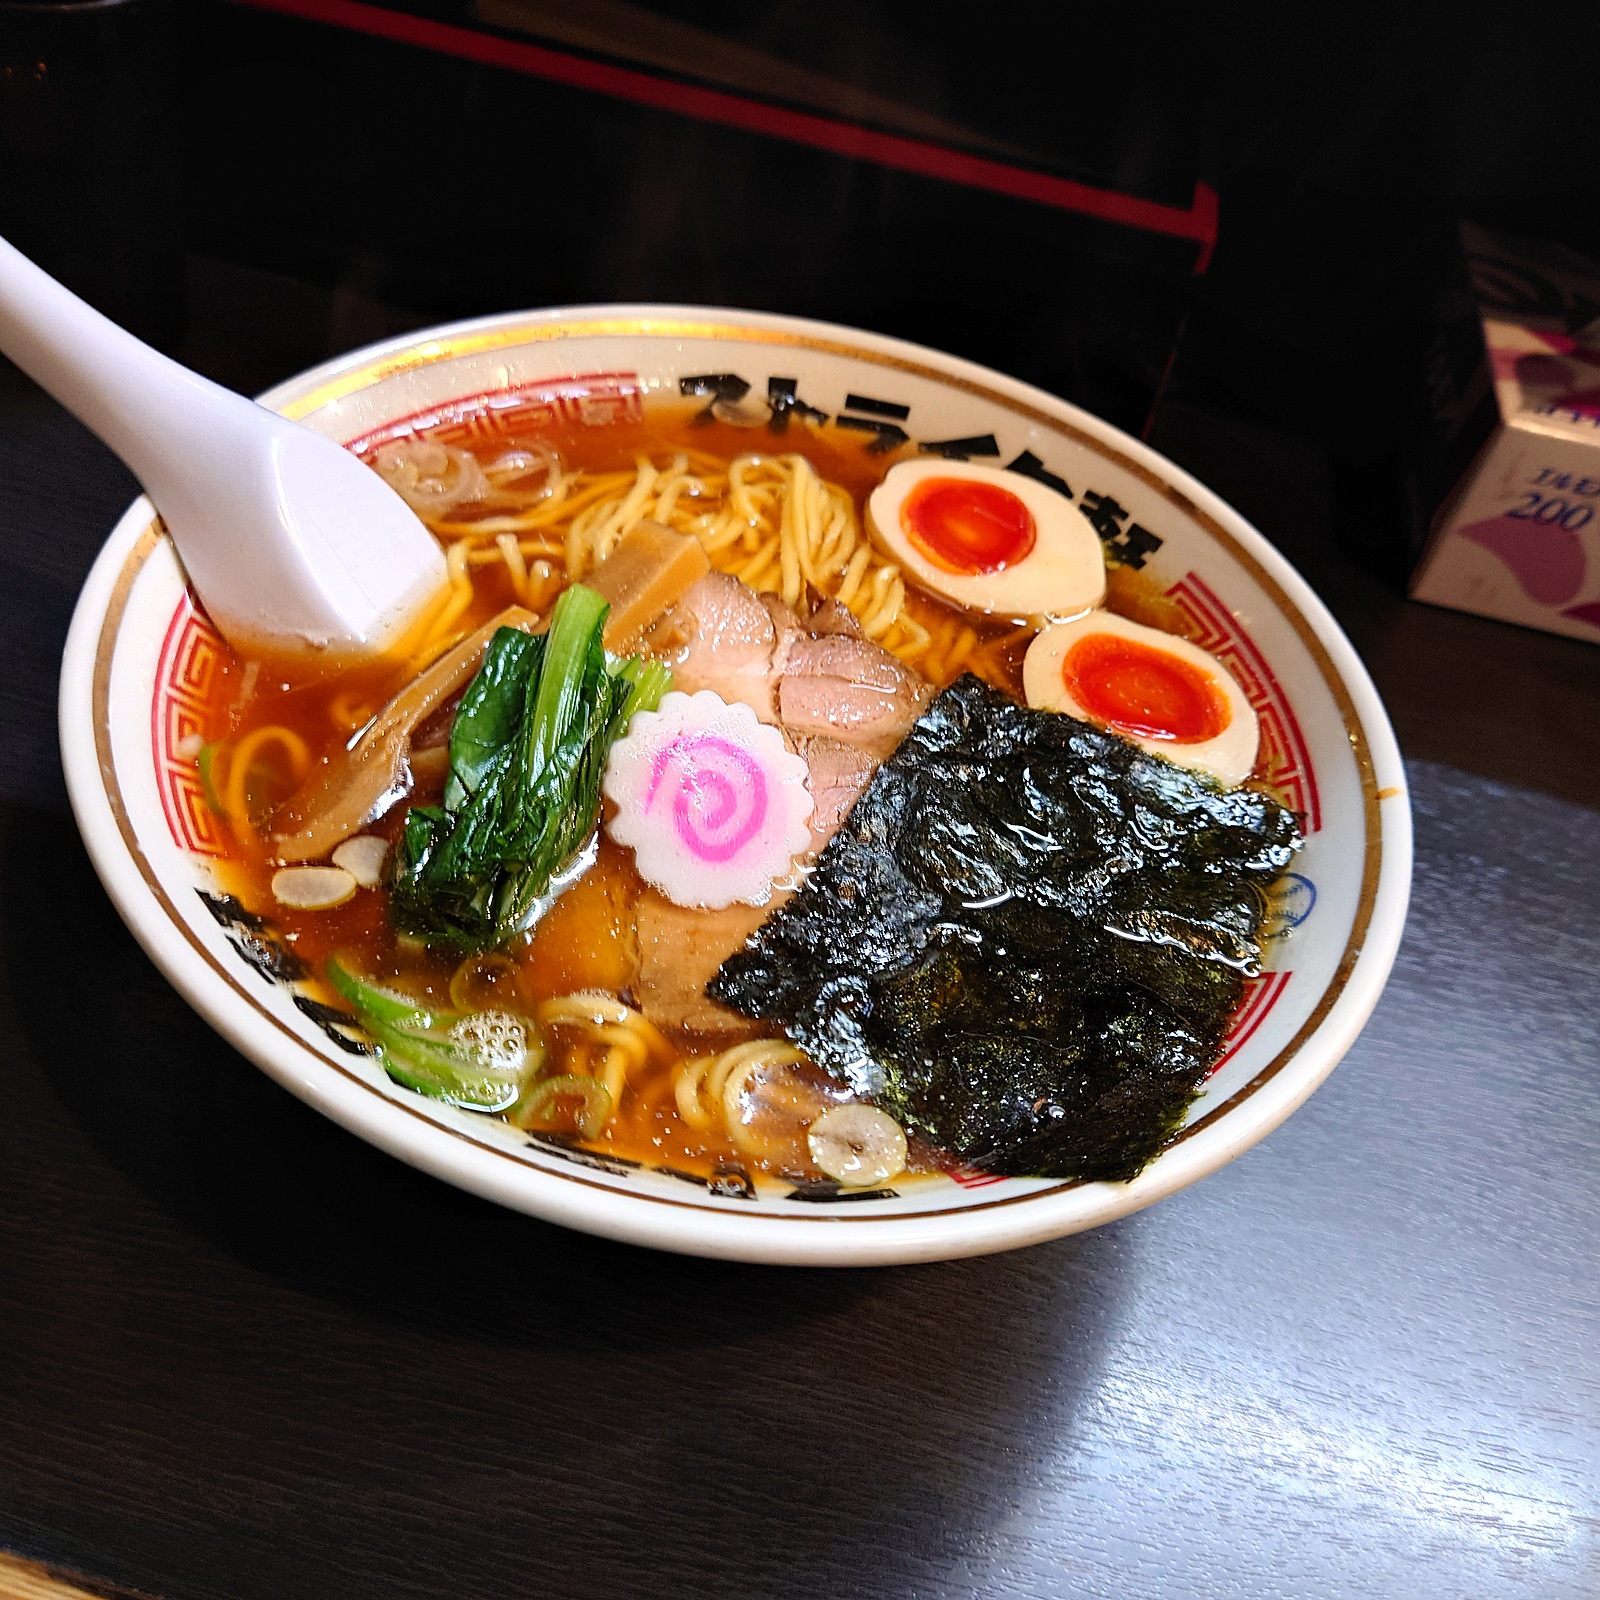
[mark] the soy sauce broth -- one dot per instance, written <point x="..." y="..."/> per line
<point x="569" y="950"/>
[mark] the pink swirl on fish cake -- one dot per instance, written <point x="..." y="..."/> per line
<point x="711" y="801"/>
<point x="719" y="794"/>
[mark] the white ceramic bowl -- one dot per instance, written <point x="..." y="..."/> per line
<point x="132" y="698"/>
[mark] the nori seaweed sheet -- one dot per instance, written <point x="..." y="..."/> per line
<point x="1026" y="941"/>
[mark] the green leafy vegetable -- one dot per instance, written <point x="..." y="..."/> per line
<point x="491" y="710"/>
<point x="528" y="748"/>
<point x="1027" y="940"/>
<point x="480" y="1060"/>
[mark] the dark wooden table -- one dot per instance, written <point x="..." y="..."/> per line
<point x="243" y="1354"/>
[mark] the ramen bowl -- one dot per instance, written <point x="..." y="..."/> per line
<point x="133" y="712"/>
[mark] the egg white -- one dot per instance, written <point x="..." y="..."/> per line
<point x="1229" y="757"/>
<point x="1063" y="575"/>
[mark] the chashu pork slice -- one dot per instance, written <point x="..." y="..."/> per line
<point x="852" y="690"/>
<point x="680" y="950"/>
<point x="729" y="641"/>
<point x="813" y="677"/>
<point x="839" y="772"/>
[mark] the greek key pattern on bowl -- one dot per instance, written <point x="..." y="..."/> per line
<point x="591" y="399"/>
<point x="191" y="654"/>
<point x="1285" y="762"/>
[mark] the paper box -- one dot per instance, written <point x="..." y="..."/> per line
<point x="1519" y="538"/>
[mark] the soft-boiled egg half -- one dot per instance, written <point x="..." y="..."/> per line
<point x="1167" y="695"/>
<point x="989" y="539"/>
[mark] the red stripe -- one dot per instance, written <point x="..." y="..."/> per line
<point x="1198" y="222"/>
<point x="1204" y="213"/>
<point x="1250" y="1017"/>
<point x="971" y="1178"/>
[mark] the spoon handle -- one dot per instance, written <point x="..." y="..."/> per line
<point x="115" y="384"/>
<point x="295" y="547"/>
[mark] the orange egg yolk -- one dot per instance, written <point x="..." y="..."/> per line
<point x="965" y="527"/>
<point x="1137" y="689"/>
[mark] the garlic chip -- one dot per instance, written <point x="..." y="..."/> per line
<point x="312" y="888"/>
<point x="362" y="857"/>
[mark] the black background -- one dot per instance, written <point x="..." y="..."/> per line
<point x="1344" y="141"/>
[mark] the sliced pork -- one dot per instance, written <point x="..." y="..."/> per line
<point x="839" y="773"/>
<point x="850" y="689"/>
<point x="833" y="617"/>
<point x="728" y="639"/>
<point x="814" y="677"/>
<point x="680" y="949"/>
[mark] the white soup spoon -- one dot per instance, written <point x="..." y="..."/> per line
<point x="295" y="547"/>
